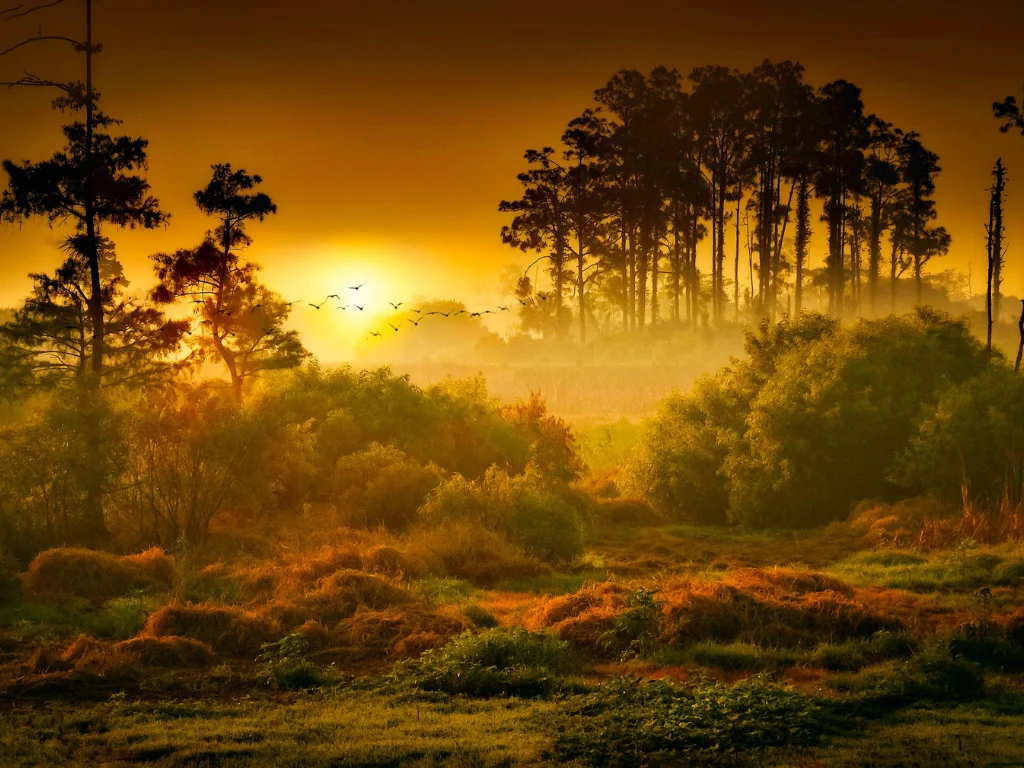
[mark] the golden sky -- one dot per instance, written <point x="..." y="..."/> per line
<point x="388" y="132"/>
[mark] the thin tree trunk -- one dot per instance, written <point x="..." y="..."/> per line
<point x="1020" y="347"/>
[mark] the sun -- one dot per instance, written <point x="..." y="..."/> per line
<point x="338" y="292"/>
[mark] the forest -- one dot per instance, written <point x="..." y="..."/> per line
<point x="730" y="473"/>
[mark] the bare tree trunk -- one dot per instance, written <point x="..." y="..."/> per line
<point x="1020" y="347"/>
<point x="988" y="280"/>
<point x="736" y="271"/>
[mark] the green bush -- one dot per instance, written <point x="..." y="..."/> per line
<point x="546" y="527"/>
<point x="986" y="644"/>
<point x="496" y="662"/>
<point x="637" y="629"/>
<point x="856" y="654"/>
<point x="480" y="618"/>
<point x="778" y="440"/>
<point x="381" y="486"/>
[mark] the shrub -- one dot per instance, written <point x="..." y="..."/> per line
<point x="98" y="576"/>
<point x="389" y="561"/>
<point x="471" y="552"/>
<point x="546" y="527"/>
<point x="397" y="632"/>
<point x="229" y="631"/>
<point x="638" y="628"/>
<point x="852" y="655"/>
<point x="987" y="644"/>
<point x="496" y="662"/>
<point x="381" y="486"/>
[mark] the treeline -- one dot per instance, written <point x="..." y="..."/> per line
<point x="740" y="164"/>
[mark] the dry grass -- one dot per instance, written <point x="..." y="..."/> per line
<point x="583" y="617"/>
<point x="227" y="630"/>
<point x="98" y="576"/>
<point x="170" y="652"/>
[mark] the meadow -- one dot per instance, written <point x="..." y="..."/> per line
<point x="355" y="570"/>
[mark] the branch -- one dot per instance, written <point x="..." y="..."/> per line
<point x="73" y="42"/>
<point x="34" y="81"/>
<point x="29" y="11"/>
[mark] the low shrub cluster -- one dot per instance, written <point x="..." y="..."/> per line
<point x="495" y="662"/>
<point x="779" y="608"/>
<point x="98" y="576"/>
<point x="631" y="722"/>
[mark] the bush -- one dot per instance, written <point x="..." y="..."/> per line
<point x="777" y="440"/>
<point x="853" y="655"/>
<point x="98" y="576"/>
<point x="988" y="645"/>
<point x="496" y="662"/>
<point x="546" y="527"/>
<point x="471" y="552"/>
<point x="338" y="597"/>
<point x="381" y="486"/>
<point x="228" y="631"/>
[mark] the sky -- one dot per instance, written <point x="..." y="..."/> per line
<point x="387" y="133"/>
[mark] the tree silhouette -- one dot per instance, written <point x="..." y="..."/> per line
<point x="881" y="182"/>
<point x="995" y="231"/>
<point x="50" y="336"/>
<point x="241" y="320"/>
<point x="918" y="168"/>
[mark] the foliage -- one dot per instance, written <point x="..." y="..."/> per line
<point x="782" y="433"/>
<point x="381" y="486"/>
<point x="634" y="722"/>
<point x="637" y="630"/>
<point x="495" y="662"/>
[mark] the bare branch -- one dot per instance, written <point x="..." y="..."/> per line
<point x="40" y="39"/>
<point x="29" y="11"/>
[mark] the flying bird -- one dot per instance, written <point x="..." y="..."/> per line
<point x="356" y="287"/>
<point x="258" y="306"/>
<point x="292" y="303"/>
<point x="396" y="306"/>
<point x="374" y="333"/>
<point x="417" y="311"/>
<point x="393" y="327"/>
<point x="334" y="296"/>
<point x="317" y="306"/>
<point x="503" y="309"/>
<point x="461" y="312"/>
<point x="358" y="307"/>
<point x="414" y="322"/>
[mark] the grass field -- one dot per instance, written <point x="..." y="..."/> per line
<point x="662" y="645"/>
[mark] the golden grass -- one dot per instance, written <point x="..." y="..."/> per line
<point x="97" y="576"/>
<point x="227" y="630"/>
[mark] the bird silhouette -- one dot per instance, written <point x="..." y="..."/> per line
<point x="523" y="302"/>
<point x="503" y="309"/>
<point x="487" y="312"/>
<point x="442" y="314"/>
<point x="267" y="331"/>
<point x="396" y="306"/>
<point x="474" y="314"/>
<point x="393" y="327"/>
<point x="317" y="306"/>
<point x="461" y="312"/>
<point x="417" y="311"/>
<point x="334" y="296"/>
<point x="374" y="333"/>
<point x="258" y="306"/>
<point x="358" y="307"/>
<point x="414" y="322"/>
<point x="356" y="287"/>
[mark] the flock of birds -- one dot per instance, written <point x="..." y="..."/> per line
<point x="396" y="305"/>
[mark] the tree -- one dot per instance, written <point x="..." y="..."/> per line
<point x="840" y="165"/>
<point x="881" y="182"/>
<point x="995" y="232"/>
<point x="720" y="121"/>
<point x="241" y="319"/>
<point x="50" y="337"/>
<point x="918" y="168"/>
<point x="94" y="181"/>
<point x="541" y="221"/>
